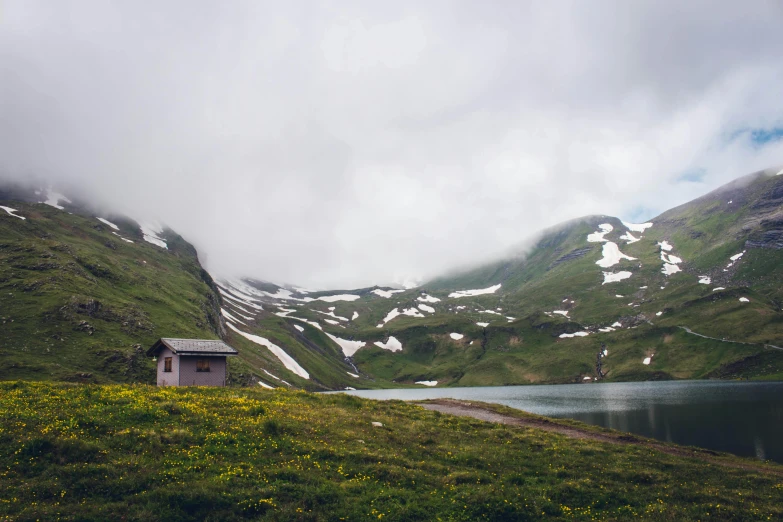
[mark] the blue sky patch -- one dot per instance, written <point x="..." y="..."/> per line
<point x="763" y="136"/>
<point x="695" y="175"/>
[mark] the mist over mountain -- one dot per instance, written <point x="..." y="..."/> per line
<point x="340" y="146"/>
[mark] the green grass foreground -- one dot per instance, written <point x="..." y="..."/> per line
<point x="90" y="452"/>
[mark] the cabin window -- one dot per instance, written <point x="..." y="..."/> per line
<point x="202" y="365"/>
<point x="167" y="364"/>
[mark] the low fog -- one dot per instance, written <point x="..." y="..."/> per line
<point x="351" y="143"/>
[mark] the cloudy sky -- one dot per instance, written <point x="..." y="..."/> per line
<point x="346" y="143"/>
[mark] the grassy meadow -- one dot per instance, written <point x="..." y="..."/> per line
<point x="137" y="452"/>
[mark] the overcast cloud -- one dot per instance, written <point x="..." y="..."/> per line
<point x="350" y="143"/>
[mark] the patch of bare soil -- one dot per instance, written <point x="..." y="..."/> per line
<point x="477" y="411"/>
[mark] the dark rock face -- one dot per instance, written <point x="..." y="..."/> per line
<point x="767" y="239"/>
<point x="574" y="254"/>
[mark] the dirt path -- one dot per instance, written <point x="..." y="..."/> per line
<point x="728" y="341"/>
<point x="484" y="413"/>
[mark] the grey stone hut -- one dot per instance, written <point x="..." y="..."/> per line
<point x="191" y="362"/>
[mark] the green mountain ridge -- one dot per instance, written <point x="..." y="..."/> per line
<point x="591" y="299"/>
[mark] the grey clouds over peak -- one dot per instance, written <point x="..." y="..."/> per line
<point x="342" y="144"/>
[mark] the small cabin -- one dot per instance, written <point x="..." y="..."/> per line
<point x="191" y="362"/>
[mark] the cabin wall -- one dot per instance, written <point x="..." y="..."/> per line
<point x="168" y="378"/>
<point x="188" y="376"/>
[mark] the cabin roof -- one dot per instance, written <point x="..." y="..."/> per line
<point x="203" y="347"/>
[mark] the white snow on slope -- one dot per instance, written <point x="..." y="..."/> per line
<point x="391" y="315"/>
<point x="488" y="312"/>
<point x="264" y="385"/>
<point x="299" y="328"/>
<point x="339" y="297"/>
<point x="151" y="232"/>
<point x="233" y="299"/>
<point x="647" y="360"/>
<point x="617" y="324"/>
<point x="737" y="256"/>
<point x="428" y="298"/>
<point x="53" y="199"/>
<point x="412" y="312"/>
<point x="11" y="211"/>
<point x="718" y="288"/>
<point x="670" y="258"/>
<point x="610" y="277"/>
<point x="427" y="383"/>
<point x="330" y="321"/>
<point x="392" y="344"/>
<point x="330" y="313"/>
<point x="659" y="314"/>
<point x="598" y="237"/>
<point x="427" y="308"/>
<point x="640" y="227"/>
<point x="669" y="269"/>
<point x="575" y="334"/>
<point x="469" y="293"/>
<point x="272" y="376"/>
<point x="612" y="255"/>
<point x="744" y="300"/>
<point x="704" y="280"/>
<point x="665" y="245"/>
<point x="483" y="325"/>
<point x="124" y="239"/>
<point x="230" y="317"/>
<point x="629" y="238"/>
<point x="386" y="293"/>
<point x="107" y="222"/>
<point x="349" y="347"/>
<point x="286" y="359"/>
<point x="456" y="336"/>
<point x="564" y="313"/>
<point x="352" y="375"/>
<point x="355" y="315"/>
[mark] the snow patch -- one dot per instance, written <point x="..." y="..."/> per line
<point x="483" y="325"/>
<point x="348" y="388"/>
<point x="264" y="385"/>
<point x="612" y="255"/>
<point x="386" y="293"/>
<point x="456" y="336"/>
<point x="53" y="199"/>
<point x="392" y="344"/>
<point x="575" y="334"/>
<point x="640" y="227"/>
<point x="107" y="222"/>
<point x="391" y="315"/>
<point x="355" y="316"/>
<point x="352" y="375"/>
<point x="704" y="280"/>
<point x="665" y="245"/>
<point x="744" y="300"/>
<point x="617" y="324"/>
<point x="564" y="313"/>
<point x="301" y="329"/>
<point x="349" y="347"/>
<point x="272" y="376"/>
<point x="151" y="233"/>
<point x="613" y="277"/>
<point x="718" y="288"/>
<point x="230" y="317"/>
<point x="10" y="211"/>
<point x="332" y="321"/>
<point x="647" y="360"/>
<point x="427" y="383"/>
<point x="737" y="256"/>
<point x="412" y="312"/>
<point x="286" y="359"/>
<point x="427" y="298"/>
<point x="339" y="297"/>
<point x="659" y="314"/>
<point x="598" y="237"/>
<point x="629" y="238"/>
<point x="670" y="269"/>
<point x="427" y="308"/>
<point x="469" y="293"/>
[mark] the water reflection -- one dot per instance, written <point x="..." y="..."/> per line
<point x="745" y="418"/>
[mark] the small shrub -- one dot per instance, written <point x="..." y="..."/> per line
<point x="272" y="427"/>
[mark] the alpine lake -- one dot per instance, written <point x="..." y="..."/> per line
<point x="739" y="417"/>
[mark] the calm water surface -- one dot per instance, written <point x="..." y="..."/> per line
<point x="744" y="418"/>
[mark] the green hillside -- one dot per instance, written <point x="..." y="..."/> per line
<point x="695" y="293"/>
<point x="146" y="453"/>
